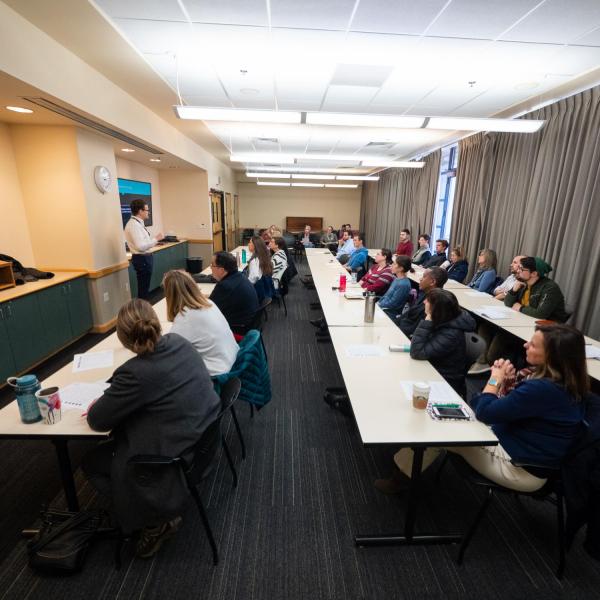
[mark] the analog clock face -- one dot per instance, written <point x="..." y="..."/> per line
<point x="103" y="179"/>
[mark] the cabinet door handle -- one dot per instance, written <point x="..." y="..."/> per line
<point x="1" y="315"/>
<point x="9" y="310"/>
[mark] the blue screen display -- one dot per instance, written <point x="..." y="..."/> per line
<point x="129" y="190"/>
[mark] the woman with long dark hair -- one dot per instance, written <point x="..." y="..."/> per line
<point x="260" y="268"/>
<point x="536" y="423"/>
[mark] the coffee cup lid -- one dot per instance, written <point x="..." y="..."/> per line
<point x="421" y="386"/>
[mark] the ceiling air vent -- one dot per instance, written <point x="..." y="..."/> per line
<point x="69" y="114"/>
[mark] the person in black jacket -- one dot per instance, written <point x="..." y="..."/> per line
<point x="457" y="267"/>
<point x="435" y="277"/>
<point x="439" y="258"/>
<point x="234" y="294"/>
<point x="440" y="337"/>
<point x="159" y="403"/>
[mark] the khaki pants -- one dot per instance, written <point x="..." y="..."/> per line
<point x="492" y="462"/>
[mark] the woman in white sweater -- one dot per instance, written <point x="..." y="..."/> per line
<point x="199" y="321"/>
<point x="278" y="260"/>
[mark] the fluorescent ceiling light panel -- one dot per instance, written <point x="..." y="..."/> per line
<point x="357" y="178"/>
<point x="316" y="185"/>
<point x="305" y="176"/>
<point x="364" y="120"/>
<point x="399" y="164"/>
<point x="271" y="175"/>
<point x="341" y="185"/>
<point x="279" y="183"/>
<point x="201" y="113"/>
<point x="313" y="170"/>
<point x="465" y="124"/>
<point x="257" y="157"/>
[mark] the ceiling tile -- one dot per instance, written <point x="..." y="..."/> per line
<point x="395" y="16"/>
<point x="234" y="12"/>
<point x="160" y="10"/>
<point x="557" y="22"/>
<point x="590" y="39"/>
<point x="361" y="75"/>
<point x="308" y="14"/>
<point x="211" y="101"/>
<point x="479" y="19"/>
<point x="156" y="37"/>
<point x="349" y="94"/>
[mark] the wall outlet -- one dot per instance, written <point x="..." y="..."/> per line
<point x="106" y="297"/>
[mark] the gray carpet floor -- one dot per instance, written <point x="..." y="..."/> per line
<point x="286" y="531"/>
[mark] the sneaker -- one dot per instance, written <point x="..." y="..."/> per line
<point x="396" y="484"/>
<point x="478" y="368"/>
<point x="152" y="538"/>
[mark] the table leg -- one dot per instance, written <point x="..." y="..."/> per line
<point x="409" y="538"/>
<point x="66" y="473"/>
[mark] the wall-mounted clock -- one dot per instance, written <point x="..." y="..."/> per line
<point x="102" y="178"/>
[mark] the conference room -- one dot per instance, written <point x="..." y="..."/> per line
<point x="360" y="166"/>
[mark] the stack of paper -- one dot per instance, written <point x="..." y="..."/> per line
<point x="93" y="360"/>
<point x="592" y="352"/>
<point x="78" y="396"/>
<point x="493" y="312"/>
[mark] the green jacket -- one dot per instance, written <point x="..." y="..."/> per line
<point x="546" y="301"/>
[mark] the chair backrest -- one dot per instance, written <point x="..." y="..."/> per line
<point x="412" y="297"/>
<point x="475" y="346"/>
<point x="283" y="282"/>
<point x="230" y="391"/>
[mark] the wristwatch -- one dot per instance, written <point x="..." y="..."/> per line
<point x="493" y="381"/>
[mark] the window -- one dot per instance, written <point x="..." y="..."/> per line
<point x="445" y="193"/>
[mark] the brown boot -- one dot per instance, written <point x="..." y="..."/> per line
<point x="396" y="484"/>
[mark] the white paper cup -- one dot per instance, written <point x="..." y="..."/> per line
<point x="420" y="395"/>
<point x="50" y="405"/>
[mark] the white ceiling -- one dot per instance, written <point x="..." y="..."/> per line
<point x="470" y="58"/>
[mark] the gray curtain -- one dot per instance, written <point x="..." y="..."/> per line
<point x="538" y="194"/>
<point x="401" y="198"/>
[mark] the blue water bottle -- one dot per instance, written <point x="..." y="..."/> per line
<point x="25" y="389"/>
<point x="243" y="256"/>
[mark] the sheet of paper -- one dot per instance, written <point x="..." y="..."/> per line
<point x="440" y="392"/>
<point x="78" y="396"/>
<point x="493" y="312"/>
<point x="363" y="350"/>
<point x="354" y="294"/>
<point x="592" y="352"/>
<point x="93" y="360"/>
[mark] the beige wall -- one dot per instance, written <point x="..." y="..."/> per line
<point x="14" y="230"/>
<point x="47" y="161"/>
<point x="185" y="203"/>
<point x="265" y="205"/>
<point x="103" y="210"/>
<point x="128" y="169"/>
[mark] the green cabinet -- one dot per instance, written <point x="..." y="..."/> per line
<point x="25" y="329"/>
<point x="55" y="314"/>
<point x="7" y="364"/>
<point x="38" y="324"/>
<point x="78" y="304"/>
<point x="165" y="259"/>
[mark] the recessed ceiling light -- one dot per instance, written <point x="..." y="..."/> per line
<point x="127" y="150"/>
<point x="155" y="160"/>
<point x="19" y="109"/>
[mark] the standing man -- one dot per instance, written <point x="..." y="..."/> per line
<point x="140" y="241"/>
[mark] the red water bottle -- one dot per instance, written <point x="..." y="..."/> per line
<point x="342" y="283"/>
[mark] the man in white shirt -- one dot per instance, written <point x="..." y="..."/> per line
<point x="507" y="285"/>
<point x="140" y="241"/>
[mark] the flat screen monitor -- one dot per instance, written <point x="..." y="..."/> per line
<point x="129" y="190"/>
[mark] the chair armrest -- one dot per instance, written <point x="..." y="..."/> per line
<point x="152" y="460"/>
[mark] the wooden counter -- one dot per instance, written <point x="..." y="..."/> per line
<point x="160" y="247"/>
<point x="41" y="284"/>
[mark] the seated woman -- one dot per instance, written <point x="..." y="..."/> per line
<point x="484" y="279"/>
<point x="399" y="291"/>
<point x="440" y="337"/>
<point x="379" y="277"/>
<point x="457" y="267"/>
<point x="279" y="259"/>
<point x="259" y="268"/>
<point x="159" y="402"/>
<point x="536" y="423"/>
<point x="200" y="322"/>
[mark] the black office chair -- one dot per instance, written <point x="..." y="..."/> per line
<point x="200" y="466"/>
<point x="282" y="291"/>
<point x="553" y="487"/>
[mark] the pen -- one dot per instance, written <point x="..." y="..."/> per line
<point x="447" y="405"/>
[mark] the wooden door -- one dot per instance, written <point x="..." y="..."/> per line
<point x="216" y="200"/>
<point x="230" y="221"/>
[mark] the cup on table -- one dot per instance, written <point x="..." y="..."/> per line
<point x="420" y="395"/>
<point x="49" y="405"/>
<point x="353" y="276"/>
